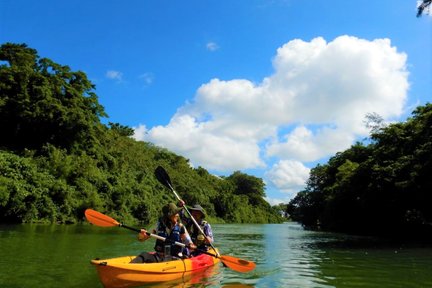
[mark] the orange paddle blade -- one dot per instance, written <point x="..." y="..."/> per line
<point x="100" y="219"/>
<point x="237" y="264"/>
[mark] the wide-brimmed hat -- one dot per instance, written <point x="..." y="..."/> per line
<point x="198" y="207"/>
<point x="170" y="209"/>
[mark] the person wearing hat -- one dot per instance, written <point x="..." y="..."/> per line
<point x="200" y="240"/>
<point x="172" y="230"/>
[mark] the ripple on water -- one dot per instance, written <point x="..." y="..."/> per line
<point x="285" y="254"/>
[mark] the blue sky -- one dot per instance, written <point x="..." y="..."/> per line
<point x="267" y="87"/>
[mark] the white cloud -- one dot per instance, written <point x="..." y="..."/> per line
<point x="288" y="176"/>
<point x="212" y="46"/>
<point x="312" y="106"/>
<point x="140" y="132"/>
<point x="427" y="9"/>
<point x="204" y="143"/>
<point x="303" y="145"/>
<point x="147" y="78"/>
<point x="114" y="75"/>
<point x="276" y="201"/>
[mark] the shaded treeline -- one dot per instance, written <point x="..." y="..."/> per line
<point x="57" y="158"/>
<point x="380" y="188"/>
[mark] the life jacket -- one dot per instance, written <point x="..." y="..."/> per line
<point x="197" y="237"/>
<point x="171" y="236"/>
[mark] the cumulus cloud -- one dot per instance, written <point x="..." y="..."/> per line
<point x="204" y="143"/>
<point x="303" y="144"/>
<point x="313" y="105"/>
<point x="288" y="176"/>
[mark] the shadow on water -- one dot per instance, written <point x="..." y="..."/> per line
<point x="323" y="240"/>
<point x="339" y="260"/>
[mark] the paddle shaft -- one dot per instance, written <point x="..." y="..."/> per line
<point x="168" y="182"/>
<point x="103" y="220"/>
<point x="164" y="239"/>
<point x="152" y="235"/>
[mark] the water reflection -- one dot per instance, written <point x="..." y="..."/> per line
<point x="285" y="254"/>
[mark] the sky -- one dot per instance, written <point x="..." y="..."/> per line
<point x="270" y="88"/>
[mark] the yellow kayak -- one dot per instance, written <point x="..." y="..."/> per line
<point x="119" y="272"/>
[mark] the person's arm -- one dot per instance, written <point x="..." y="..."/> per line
<point x="142" y="236"/>
<point x="208" y="233"/>
<point x="186" y="239"/>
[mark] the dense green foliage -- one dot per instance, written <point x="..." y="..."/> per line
<point x="57" y="158"/>
<point x="43" y="102"/>
<point x="380" y="188"/>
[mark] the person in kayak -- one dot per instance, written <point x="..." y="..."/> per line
<point x="201" y="241"/>
<point x="172" y="230"/>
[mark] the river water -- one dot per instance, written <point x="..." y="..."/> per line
<point x="286" y="256"/>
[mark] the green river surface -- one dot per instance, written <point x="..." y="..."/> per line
<point x="286" y="256"/>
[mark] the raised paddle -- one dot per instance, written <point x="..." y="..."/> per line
<point x="103" y="220"/>
<point x="164" y="178"/>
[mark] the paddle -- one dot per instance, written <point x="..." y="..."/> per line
<point x="230" y="261"/>
<point x="164" y="178"/>
<point x="103" y="220"/>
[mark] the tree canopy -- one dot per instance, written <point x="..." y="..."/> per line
<point x="43" y="102"/>
<point x="57" y="158"/>
<point x="380" y="188"/>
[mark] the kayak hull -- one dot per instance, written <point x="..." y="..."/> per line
<point x="119" y="272"/>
